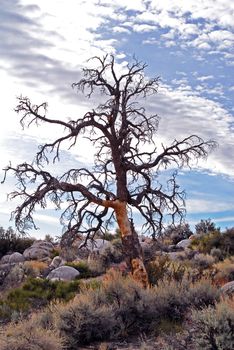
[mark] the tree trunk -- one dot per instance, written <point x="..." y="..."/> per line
<point x="131" y="245"/>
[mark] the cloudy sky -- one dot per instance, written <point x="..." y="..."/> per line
<point x="189" y="44"/>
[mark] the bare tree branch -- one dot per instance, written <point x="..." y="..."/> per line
<point x="124" y="170"/>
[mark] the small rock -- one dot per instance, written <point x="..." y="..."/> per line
<point x="228" y="288"/>
<point x="57" y="261"/>
<point x="185" y="243"/>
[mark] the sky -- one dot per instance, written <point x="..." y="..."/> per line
<point x="189" y="44"/>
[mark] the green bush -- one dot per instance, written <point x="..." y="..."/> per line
<point x="55" y="252"/>
<point x="11" y="242"/>
<point x="83" y="268"/>
<point x="219" y="240"/>
<point x="205" y="227"/>
<point x="162" y="268"/>
<point x="36" y="293"/>
<point x="111" y="236"/>
<point x="177" y="233"/>
<point x="214" y="327"/>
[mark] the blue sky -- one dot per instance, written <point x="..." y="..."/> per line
<point x="189" y="44"/>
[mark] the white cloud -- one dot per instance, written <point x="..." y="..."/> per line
<point x="46" y="219"/>
<point x="119" y="29"/>
<point x="196" y="206"/>
<point x="151" y="41"/>
<point x="169" y="35"/>
<point x="183" y="21"/>
<point x="205" y="77"/>
<point x="67" y="35"/>
<point x="143" y="28"/>
<point x="201" y="116"/>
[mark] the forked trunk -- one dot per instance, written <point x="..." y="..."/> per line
<point x="131" y="245"/>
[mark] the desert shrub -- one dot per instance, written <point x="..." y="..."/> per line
<point x="177" y="233"/>
<point x="134" y="307"/>
<point x="214" y="327"/>
<point x="203" y="261"/>
<point x="120" y="307"/>
<point x="109" y="236"/>
<point x="45" y="319"/>
<point x="227" y="244"/>
<point x="172" y="300"/>
<point x="49" y="238"/>
<point x="34" y="268"/>
<point x="97" y="265"/>
<point x="12" y="242"/>
<point x="83" y="267"/>
<point x="141" y="310"/>
<point x="206" y="242"/>
<point x="69" y="253"/>
<point x="202" y="293"/>
<point x="26" y="335"/>
<point x="216" y="253"/>
<point x="36" y="293"/>
<point x="55" y="252"/>
<point x="82" y="321"/>
<point x="205" y="227"/>
<point x="6" y="313"/>
<point x="114" y="253"/>
<point x="90" y="284"/>
<point x="224" y="271"/>
<point x="163" y="268"/>
<point x="157" y="269"/>
<point x="219" y="240"/>
<point x="177" y="271"/>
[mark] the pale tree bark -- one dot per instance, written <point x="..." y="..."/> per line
<point x="131" y="245"/>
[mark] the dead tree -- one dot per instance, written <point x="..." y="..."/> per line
<point x="127" y="162"/>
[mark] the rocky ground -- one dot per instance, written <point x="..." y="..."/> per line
<point x="47" y="261"/>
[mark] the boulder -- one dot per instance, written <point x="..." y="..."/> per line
<point x="4" y="270"/>
<point x="5" y="259"/>
<point x="56" y="262"/>
<point x="228" y="288"/>
<point x="40" y="250"/>
<point x="184" y="244"/>
<point x="15" y="276"/>
<point x="63" y="273"/>
<point x="98" y="245"/>
<point x="94" y="249"/>
<point x="12" y="258"/>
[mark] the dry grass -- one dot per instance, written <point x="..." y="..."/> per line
<point x="35" y="268"/>
<point x="27" y="335"/>
<point x="224" y="271"/>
